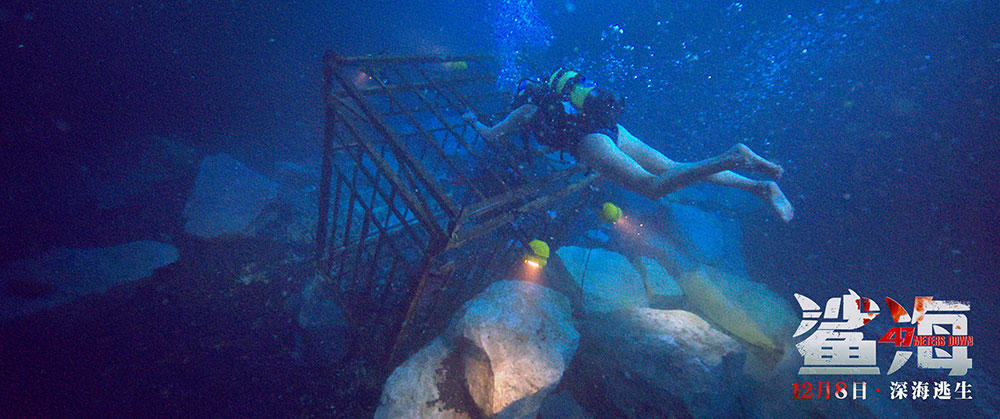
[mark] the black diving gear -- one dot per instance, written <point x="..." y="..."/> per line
<point x="593" y="101"/>
<point x="569" y="107"/>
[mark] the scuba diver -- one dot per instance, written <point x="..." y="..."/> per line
<point x="573" y="114"/>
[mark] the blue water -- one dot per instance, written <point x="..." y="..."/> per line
<point x="885" y="115"/>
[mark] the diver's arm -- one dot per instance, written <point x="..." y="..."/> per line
<point x="511" y="124"/>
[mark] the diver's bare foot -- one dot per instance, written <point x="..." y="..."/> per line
<point x="747" y="159"/>
<point x="771" y="193"/>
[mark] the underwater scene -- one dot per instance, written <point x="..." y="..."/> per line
<point x="501" y="208"/>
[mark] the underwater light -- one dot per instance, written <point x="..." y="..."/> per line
<point x="610" y="213"/>
<point x="455" y="65"/>
<point x="538" y="255"/>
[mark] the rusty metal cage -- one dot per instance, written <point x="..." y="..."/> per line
<point x="410" y="191"/>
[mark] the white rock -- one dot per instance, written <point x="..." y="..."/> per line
<point x="412" y="389"/>
<point x="608" y="279"/>
<point x="62" y="275"/>
<point x="662" y="286"/>
<point x="660" y="363"/>
<point x="503" y="353"/>
<point x="745" y="309"/>
<point x="519" y="340"/>
<point x="226" y="199"/>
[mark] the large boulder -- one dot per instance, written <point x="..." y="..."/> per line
<point x="744" y="308"/>
<point x="611" y="282"/>
<point x="662" y="289"/>
<point x="292" y="218"/>
<point x="503" y="353"/>
<point x="425" y="386"/>
<point x="728" y="202"/>
<point x="227" y="198"/>
<point x="659" y="363"/>
<point x="666" y="249"/>
<point x="296" y="176"/>
<point x="608" y="280"/>
<point x="62" y="275"/>
<point x="562" y="405"/>
<point x="517" y="338"/>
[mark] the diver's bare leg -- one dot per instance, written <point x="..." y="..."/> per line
<point x="682" y="175"/>
<point x="599" y="152"/>
<point x="656" y="163"/>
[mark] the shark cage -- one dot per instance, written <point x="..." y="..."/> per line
<point x="417" y="211"/>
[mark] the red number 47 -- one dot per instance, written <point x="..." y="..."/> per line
<point x="899" y="336"/>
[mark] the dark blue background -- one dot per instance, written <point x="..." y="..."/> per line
<point x="885" y="114"/>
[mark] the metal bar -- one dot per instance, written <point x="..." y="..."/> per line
<point x="390" y="209"/>
<point x="345" y="105"/>
<point x="513" y="162"/>
<point x="364" y="226"/>
<point x="429" y="138"/>
<point x="441" y="129"/>
<point x="389" y="59"/>
<point x="403" y="225"/>
<point x="326" y="169"/>
<point x="385" y="287"/>
<point x="370" y="286"/>
<point x="517" y="194"/>
<point x="388" y="231"/>
<point x="445" y="203"/>
<point x="392" y="195"/>
<point x="507" y="216"/>
<point x="484" y="264"/>
<point x="421" y="211"/>
<point x="468" y="149"/>
<point x="480" y="98"/>
<point x="370" y="209"/>
<point x="333" y="113"/>
<point x="351" y="199"/>
<point x="400" y="152"/>
<point x="411" y="302"/>
<point x="333" y="227"/>
<point x="466" y="104"/>
<point x="395" y="88"/>
<point x="342" y="179"/>
<point x="389" y="203"/>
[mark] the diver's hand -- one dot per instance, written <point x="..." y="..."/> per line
<point x="469" y="117"/>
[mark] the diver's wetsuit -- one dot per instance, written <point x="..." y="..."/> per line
<point x="557" y="123"/>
